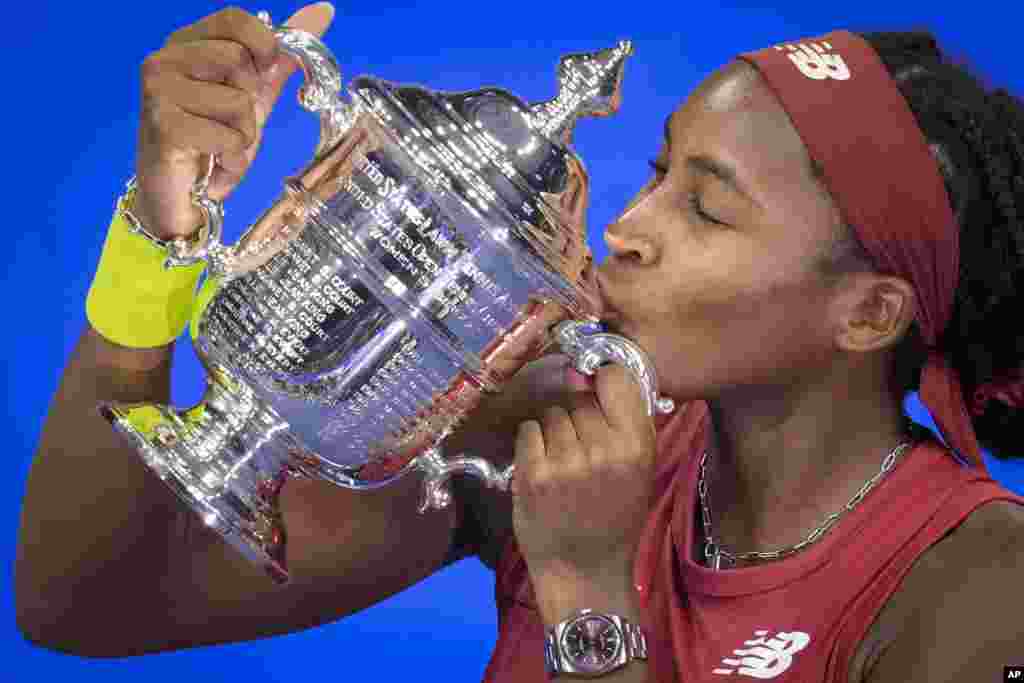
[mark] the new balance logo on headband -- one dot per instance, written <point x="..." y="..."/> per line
<point x="814" y="62"/>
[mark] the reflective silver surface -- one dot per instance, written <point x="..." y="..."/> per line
<point x="416" y="263"/>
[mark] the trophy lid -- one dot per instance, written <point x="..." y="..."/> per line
<point x="504" y="157"/>
<point x="589" y="84"/>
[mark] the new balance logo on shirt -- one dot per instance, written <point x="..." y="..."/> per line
<point x="765" y="657"/>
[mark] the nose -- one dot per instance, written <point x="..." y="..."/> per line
<point x="629" y="245"/>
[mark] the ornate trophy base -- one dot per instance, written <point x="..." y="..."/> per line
<point x="226" y="458"/>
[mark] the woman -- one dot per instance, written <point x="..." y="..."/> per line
<point x="742" y="269"/>
<point x="787" y="331"/>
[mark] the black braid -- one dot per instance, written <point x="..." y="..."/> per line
<point x="976" y="137"/>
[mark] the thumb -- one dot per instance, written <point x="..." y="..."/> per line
<point x="315" y="19"/>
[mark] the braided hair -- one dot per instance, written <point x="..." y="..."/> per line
<point x="977" y="138"/>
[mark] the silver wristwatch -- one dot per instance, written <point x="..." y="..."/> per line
<point x="592" y="644"/>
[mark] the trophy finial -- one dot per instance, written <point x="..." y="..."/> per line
<point x="589" y="84"/>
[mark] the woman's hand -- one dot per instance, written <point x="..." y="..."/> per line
<point x="209" y="90"/>
<point x="583" y="488"/>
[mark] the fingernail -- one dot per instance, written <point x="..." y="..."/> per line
<point x="261" y="111"/>
<point x="272" y="72"/>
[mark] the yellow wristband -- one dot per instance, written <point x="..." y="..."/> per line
<point x="133" y="301"/>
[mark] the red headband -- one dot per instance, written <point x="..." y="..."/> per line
<point x="877" y="166"/>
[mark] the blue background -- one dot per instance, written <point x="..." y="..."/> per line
<point x="70" y="111"/>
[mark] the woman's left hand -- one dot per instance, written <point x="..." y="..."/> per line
<point x="583" y="483"/>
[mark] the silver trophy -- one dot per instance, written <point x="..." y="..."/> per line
<point x="433" y="246"/>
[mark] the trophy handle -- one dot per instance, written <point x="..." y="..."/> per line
<point x="438" y="470"/>
<point x="319" y="94"/>
<point x="590" y="348"/>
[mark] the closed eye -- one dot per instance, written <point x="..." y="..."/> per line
<point x="692" y="199"/>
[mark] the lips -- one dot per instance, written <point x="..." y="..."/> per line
<point x="592" y="288"/>
<point x="607" y="311"/>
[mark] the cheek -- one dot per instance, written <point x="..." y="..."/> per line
<point x="778" y="329"/>
<point x="740" y="332"/>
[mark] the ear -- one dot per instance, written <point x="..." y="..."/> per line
<point x="873" y="312"/>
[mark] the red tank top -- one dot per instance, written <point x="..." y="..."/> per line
<point x="797" y="619"/>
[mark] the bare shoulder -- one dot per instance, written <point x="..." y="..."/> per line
<point x="989" y="540"/>
<point x="990" y="535"/>
<point x="1004" y="515"/>
<point x="958" y="613"/>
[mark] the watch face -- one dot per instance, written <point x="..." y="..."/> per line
<point x="591" y="643"/>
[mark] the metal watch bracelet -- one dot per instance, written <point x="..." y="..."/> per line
<point x="557" y="660"/>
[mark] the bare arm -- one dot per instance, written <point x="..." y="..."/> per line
<point x="960" y="605"/>
<point x="83" y="477"/>
<point x="101" y="535"/>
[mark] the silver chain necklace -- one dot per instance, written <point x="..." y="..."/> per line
<point x="714" y="553"/>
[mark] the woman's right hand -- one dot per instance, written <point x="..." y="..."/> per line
<point x="209" y="90"/>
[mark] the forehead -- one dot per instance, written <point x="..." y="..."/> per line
<point x="733" y="115"/>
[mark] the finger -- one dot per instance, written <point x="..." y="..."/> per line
<point x="576" y="381"/>
<point x="217" y="61"/>
<point x="228" y="173"/>
<point x="529" y="456"/>
<point x="222" y="183"/>
<point x="235" y="163"/>
<point x="238" y="26"/>
<point x="176" y="129"/>
<point x="561" y="442"/>
<point x="621" y="399"/>
<point x="589" y="424"/>
<point x="314" y="18"/>
<point x="235" y="109"/>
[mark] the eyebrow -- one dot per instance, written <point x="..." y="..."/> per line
<point x="703" y="163"/>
